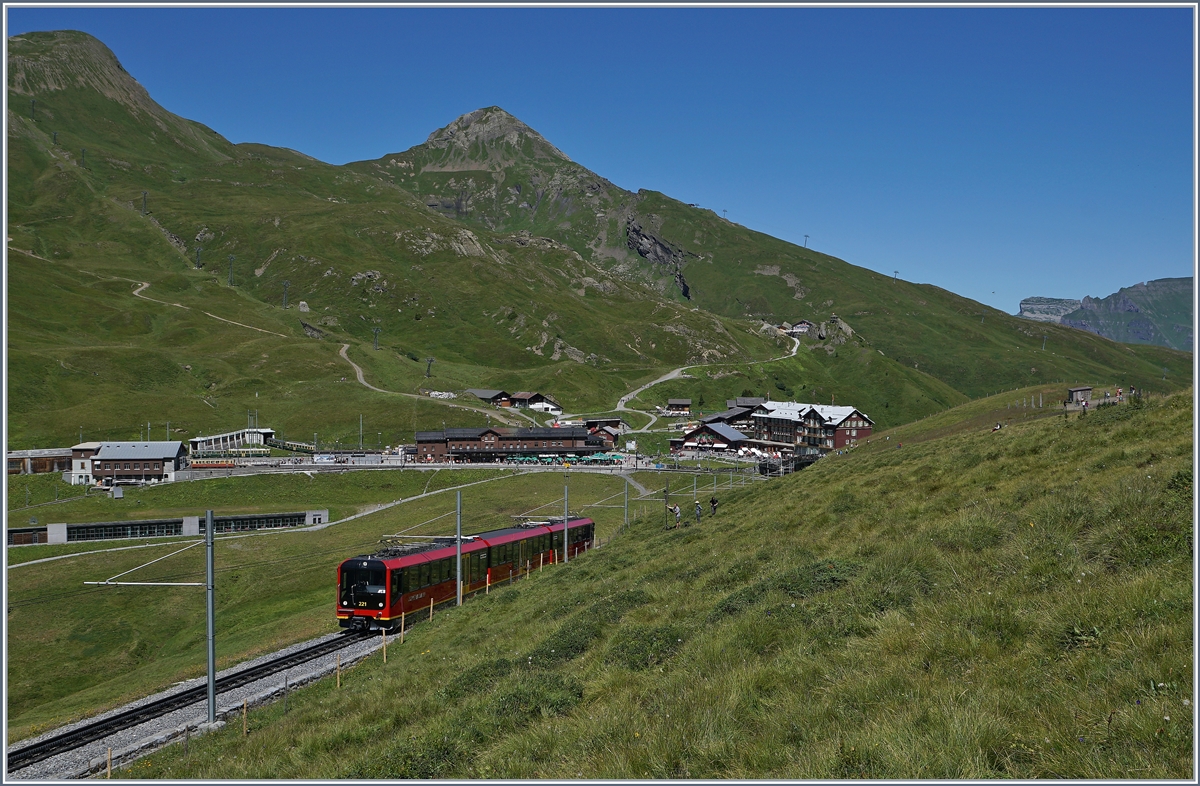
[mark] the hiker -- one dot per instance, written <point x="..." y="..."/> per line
<point x="713" y="503"/>
<point x="674" y="509"/>
<point x="699" y="511"/>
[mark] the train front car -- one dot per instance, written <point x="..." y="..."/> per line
<point x="362" y="593"/>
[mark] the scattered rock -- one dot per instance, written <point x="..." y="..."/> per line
<point x="303" y="307"/>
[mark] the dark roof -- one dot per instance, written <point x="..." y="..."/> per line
<point x="683" y="402"/>
<point x="430" y="436"/>
<point x="746" y="401"/>
<point x="523" y="395"/>
<point x="727" y="415"/>
<point x="486" y="395"/>
<point x="1076" y="390"/>
<point x="465" y="433"/>
<point x="568" y="432"/>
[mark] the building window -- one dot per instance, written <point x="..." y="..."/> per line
<point x="156" y="465"/>
<point x="126" y="465"/>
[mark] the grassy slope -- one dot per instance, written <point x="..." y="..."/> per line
<point x="1016" y="604"/>
<point x="973" y="348"/>
<point x="115" y="644"/>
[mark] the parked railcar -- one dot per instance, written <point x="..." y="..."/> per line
<point x="376" y="590"/>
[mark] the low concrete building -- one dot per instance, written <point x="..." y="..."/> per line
<point x="1079" y="395"/>
<point x="231" y="442"/>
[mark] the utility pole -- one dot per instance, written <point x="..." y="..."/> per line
<point x="1043" y="343"/>
<point x="428" y="365"/>
<point x="211" y="614"/>
<point x="143" y="203"/>
<point x="376" y="331"/>
<point x="231" y="258"/>
<point x="198" y="250"/>
<point x="566" y="491"/>
<point x="56" y="139"/>
<point x="458" y="544"/>
<point x="895" y="276"/>
<point x="360" y="431"/>
<point x="806" y="241"/>
<point x="286" y="284"/>
<point x="623" y="526"/>
<point x="32" y="109"/>
<point x="83" y="158"/>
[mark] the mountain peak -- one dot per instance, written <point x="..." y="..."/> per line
<point x="493" y="135"/>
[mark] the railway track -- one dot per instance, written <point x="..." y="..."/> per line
<point x="61" y="743"/>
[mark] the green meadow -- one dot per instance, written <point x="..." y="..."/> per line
<point x="1015" y="604"/>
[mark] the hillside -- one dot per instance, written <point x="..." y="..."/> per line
<point x="980" y="605"/>
<point x="488" y="169"/>
<point x="485" y="248"/>
<point x="502" y="310"/>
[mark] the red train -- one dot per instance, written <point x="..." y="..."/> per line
<point x="375" y="589"/>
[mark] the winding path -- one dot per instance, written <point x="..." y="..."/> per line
<point x="679" y="372"/>
<point x="358" y="373"/>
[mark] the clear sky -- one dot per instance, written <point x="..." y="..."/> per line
<point x="996" y="152"/>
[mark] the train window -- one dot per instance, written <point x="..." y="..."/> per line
<point x="447" y="570"/>
<point x="423" y="581"/>
<point x="363" y="587"/>
<point x="397" y="584"/>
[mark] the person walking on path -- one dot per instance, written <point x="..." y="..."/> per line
<point x="699" y="511"/>
<point x="713" y="503"/>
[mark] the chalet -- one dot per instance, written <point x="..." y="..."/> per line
<point x="798" y="329"/>
<point x="472" y="445"/>
<point x="811" y="428"/>
<point x="678" y="406"/>
<point x="714" y="436"/>
<point x="609" y="434"/>
<point x="536" y="401"/>
<point x="499" y="398"/>
<point x="592" y="424"/>
<point x="117" y="463"/>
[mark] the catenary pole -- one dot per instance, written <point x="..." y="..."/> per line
<point x="212" y="650"/>
<point x="566" y="491"/>
<point x="458" y="543"/>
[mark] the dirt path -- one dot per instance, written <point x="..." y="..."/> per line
<point x="358" y="373"/>
<point x="679" y="372"/>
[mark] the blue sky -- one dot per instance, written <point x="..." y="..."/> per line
<point x="995" y="152"/>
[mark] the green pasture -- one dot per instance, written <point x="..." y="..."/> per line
<point x="1008" y="605"/>
<point x="109" y="645"/>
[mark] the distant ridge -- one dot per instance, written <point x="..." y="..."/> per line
<point x="1155" y="312"/>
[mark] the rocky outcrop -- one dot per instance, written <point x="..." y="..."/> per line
<point x="653" y="248"/>
<point x="1047" y="309"/>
